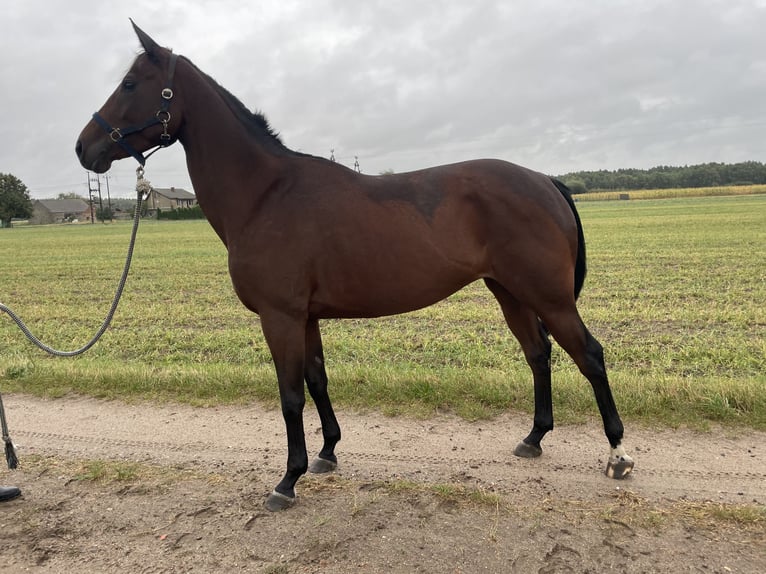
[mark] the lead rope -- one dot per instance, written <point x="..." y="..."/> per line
<point x="10" y="452"/>
<point x="143" y="188"/>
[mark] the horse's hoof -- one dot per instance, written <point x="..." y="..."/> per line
<point x="619" y="467"/>
<point x="277" y="501"/>
<point x="525" y="450"/>
<point x="322" y="466"/>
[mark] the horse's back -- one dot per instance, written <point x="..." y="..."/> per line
<point x="497" y="188"/>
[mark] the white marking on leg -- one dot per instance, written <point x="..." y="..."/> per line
<point x="618" y="453"/>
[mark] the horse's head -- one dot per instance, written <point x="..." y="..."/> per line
<point x="142" y="113"/>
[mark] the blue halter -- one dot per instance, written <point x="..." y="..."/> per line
<point x="118" y="135"/>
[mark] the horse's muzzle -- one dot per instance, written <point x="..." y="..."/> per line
<point x="94" y="157"/>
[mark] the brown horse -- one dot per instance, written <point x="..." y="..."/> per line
<point x="309" y="239"/>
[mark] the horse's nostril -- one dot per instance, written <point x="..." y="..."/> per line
<point x="78" y="148"/>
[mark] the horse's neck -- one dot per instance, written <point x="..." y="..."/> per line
<point x="229" y="168"/>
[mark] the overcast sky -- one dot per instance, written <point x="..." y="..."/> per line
<point x="556" y="85"/>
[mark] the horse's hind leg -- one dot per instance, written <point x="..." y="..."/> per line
<point x="316" y="380"/>
<point x="570" y="332"/>
<point x="525" y="325"/>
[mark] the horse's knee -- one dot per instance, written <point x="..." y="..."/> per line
<point x="292" y="406"/>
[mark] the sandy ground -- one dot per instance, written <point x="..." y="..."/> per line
<point x="438" y="495"/>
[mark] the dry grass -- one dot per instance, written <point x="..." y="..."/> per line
<point x="672" y="193"/>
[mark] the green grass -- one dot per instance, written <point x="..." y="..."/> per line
<point x="103" y="471"/>
<point x="106" y="472"/>
<point x="676" y="292"/>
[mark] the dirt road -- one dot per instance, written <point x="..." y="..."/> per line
<point x="439" y="495"/>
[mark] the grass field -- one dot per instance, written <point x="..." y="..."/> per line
<point x="685" y="192"/>
<point x="676" y="292"/>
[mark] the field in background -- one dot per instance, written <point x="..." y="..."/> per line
<point x="676" y="292"/>
<point x="673" y="193"/>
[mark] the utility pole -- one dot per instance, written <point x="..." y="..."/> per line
<point x="356" y="164"/>
<point x="100" y="201"/>
<point x="90" y="197"/>
<point x="109" y="199"/>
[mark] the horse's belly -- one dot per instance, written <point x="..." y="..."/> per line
<point x="383" y="295"/>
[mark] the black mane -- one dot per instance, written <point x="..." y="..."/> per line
<point x="255" y="122"/>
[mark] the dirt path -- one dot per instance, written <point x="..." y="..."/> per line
<point x="441" y="495"/>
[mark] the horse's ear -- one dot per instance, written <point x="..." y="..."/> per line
<point x="150" y="46"/>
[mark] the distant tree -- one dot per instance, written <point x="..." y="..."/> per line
<point x="104" y="213"/>
<point x="70" y="195"/>
<point x="576" y="185"/>
<point x="664" y="177"/>
<point x="387" y="172"/>
<point x="14" y="199"/>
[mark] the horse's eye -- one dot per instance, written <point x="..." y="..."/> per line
<point x="128" y="84"/>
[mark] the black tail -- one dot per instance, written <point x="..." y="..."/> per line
<point x="581" y="268"/>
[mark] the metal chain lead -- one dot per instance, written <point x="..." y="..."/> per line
<point x="143" y="187"/>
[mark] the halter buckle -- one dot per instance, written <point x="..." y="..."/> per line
<point x="115" y="135"/>
<point x="167" y="93"/>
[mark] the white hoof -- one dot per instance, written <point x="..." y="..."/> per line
<point x="620" y="464"/>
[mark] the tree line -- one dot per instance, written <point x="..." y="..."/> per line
<point x="668" y="177"/>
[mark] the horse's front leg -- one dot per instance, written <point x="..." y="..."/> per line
<point x="285" y="336"/>
<point x="316" y="380"/>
